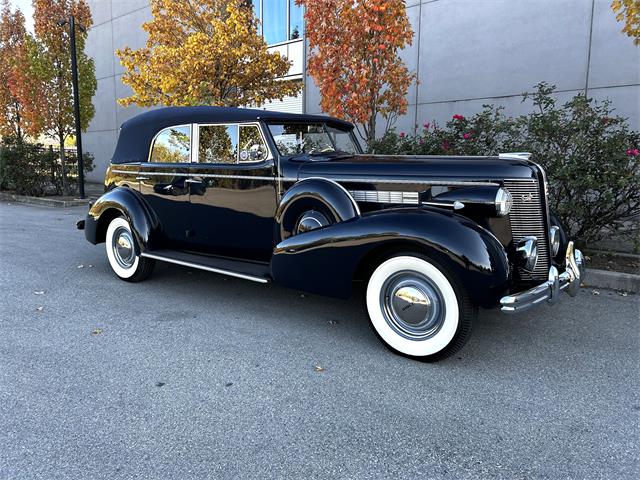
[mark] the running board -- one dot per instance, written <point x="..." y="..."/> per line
<point x="255" y="272"/>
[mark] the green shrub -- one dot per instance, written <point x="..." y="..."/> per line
<point x="590" y="155"/>
<point x="34" y="170"/>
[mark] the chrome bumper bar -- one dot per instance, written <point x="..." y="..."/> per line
<point x="549" y="291"/>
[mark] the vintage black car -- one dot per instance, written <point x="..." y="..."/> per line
<point x="292" y="199"/>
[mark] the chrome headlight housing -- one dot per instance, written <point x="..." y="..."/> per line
<point x="503" y="202"/>
<point x="554" y="239"/>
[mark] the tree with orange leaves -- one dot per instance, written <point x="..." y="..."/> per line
<point x="354" y="59"/>
<point x="204" y="52"/>
<point x="45" y="81"/>
<point x="12" y="50"/>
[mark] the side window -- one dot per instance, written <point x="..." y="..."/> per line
<point x="218" y="144"/>
<point x="172" y="145"/>
<point x="252" y="147"/>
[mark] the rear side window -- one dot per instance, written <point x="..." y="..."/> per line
<point x="172" y="145"/>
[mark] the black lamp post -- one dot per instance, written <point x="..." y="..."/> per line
<point x="76" y="98"/>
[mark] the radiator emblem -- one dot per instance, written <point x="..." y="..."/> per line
<point x="527" y="197"/>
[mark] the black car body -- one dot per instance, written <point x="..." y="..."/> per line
<point x="292" y="199"/>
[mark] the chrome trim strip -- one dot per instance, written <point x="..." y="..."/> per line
<point x="378" y="196"/>
<point x="355" y="204"/>
<point x="204" y="267"/>
<point x="515" y="156"/>
<point x="206" y="175"/>
<point x="443" y="183"/>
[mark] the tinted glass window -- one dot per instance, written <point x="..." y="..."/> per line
<point x="274" y="21"/>
<point x="297" y="138"/>
<point x="218" y="144"/>
<point x="172" y="145"/>
<point x="252" y="147"/>
<point x="296" y="22"/>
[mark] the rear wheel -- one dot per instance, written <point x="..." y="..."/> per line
<point x="121" y="252"/>
<point x="417" y="309"/>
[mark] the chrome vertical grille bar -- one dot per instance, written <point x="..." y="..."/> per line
<point x="527" y="218"/>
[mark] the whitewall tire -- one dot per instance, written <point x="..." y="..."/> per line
<point x="121" y="253"/>
<point x="416" y="309"/>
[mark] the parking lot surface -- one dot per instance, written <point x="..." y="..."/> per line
<point x="196" y="375"/>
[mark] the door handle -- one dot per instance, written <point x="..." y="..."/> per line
<point x="142" y="178"/>
<point x="192" y="180"/>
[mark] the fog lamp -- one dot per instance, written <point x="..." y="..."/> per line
<point x="554" y="239"/>
<point x="527" y="251"/>
<point x="503" y="202"/>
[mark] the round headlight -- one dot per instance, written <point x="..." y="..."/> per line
<point x="503" y="201"/>
<point x="554" y="239"/>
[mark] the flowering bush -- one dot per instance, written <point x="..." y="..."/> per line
<point x="590" y="155"/>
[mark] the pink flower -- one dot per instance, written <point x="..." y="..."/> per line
<point x="426" y="126"/>
<point x="466" y="136"/>
<point x="401" y="134"/>
<point x="421" y="142"/>
<point x="458" y="117"/>
<point x="633" y="152"/>
<point x="446" y="145"/>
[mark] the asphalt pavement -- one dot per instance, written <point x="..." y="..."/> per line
<point x="196" y="375"/>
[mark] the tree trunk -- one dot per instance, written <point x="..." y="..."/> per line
<point x="63" y="165"/>
<point x="371" y="130"/>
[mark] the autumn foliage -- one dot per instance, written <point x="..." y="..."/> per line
<point x="12" y="49"/>
<point x="629" y="12"/>
<point x="355" y="61"/>
<point x="204" y="52"/>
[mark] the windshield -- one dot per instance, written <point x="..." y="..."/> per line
<point x="297" y="138"/>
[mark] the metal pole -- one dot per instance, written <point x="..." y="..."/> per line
<point x="76" y="105"/>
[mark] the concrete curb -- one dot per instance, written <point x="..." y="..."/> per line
<point x="626" y="282"/>
<point x="43" y="201"/>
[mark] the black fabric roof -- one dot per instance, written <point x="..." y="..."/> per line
<point x="137" y="133"/>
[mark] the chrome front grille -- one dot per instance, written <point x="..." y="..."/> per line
<point x="527" y="219"/>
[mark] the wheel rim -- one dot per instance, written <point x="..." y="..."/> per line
<point x="412" y="305"/>
<point x="122" y="246"/>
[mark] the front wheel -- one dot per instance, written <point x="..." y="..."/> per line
<point x="121" y="253"/>
<point x="417" y="310"/>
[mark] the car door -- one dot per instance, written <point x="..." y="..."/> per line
<point x="164" y="184"/>
<point x="232" y="192"/>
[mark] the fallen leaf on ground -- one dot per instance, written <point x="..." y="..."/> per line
<point x="333" y="322"/>
<point x="39" y="309"/>
<point x="90" y="266"/>
<point x="228" y="384"/>
<point x="80" y="266"/>
<point x="319" y="368"/>
<point x="39" y="292"/>
<point x="595" y="292"/>
<point x="97" y="331"/>
<point x="160" y="384"/>
<point x="623" y="294"/>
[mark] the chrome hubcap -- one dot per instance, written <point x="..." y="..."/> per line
<point x="412" y="305"/>
<point x="123" y="247"/>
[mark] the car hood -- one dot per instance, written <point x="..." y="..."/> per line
<point x="404" y="167"/>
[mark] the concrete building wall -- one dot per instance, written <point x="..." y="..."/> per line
<point x="473" y="52"/>
<point x="466" y="52"/>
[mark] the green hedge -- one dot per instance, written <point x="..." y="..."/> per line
<point x="31" y="169"/>
<point x="591" y="156"/>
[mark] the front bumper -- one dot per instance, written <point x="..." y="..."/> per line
<point x="568" y="280"/>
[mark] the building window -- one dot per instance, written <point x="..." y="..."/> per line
<point x="281" y="20"/>
<point x="296" y="21"/>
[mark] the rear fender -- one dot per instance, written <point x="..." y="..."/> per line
<point x="325" y="260"/>
<point x="128" y="203"/>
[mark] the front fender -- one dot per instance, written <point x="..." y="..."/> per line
<point x="325" y="260"/>
<point x="126" y="202"/>
<point x="311" y="192"/>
